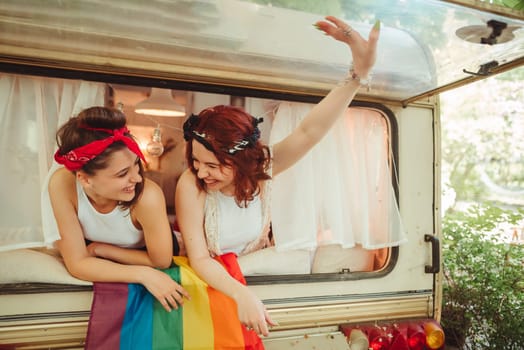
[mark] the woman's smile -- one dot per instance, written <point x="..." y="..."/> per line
<point x="129" y="189"/>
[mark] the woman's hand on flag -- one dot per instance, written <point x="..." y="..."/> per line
<point x="169" y="293"/>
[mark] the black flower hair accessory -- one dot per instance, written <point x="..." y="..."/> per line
<point x="249" y="141"/>
<point x="189" y="126"/>
<point x="190" y="132"/>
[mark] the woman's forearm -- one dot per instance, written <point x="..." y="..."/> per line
<point x="314" y="126"/>
<point x="121" y="255"/>
<point x="216" y="276"/>
<point x="95" y="269"/>
<point x="166" y="290"/>
<point x="324" y="114"/>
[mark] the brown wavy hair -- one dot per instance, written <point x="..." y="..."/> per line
<point x="224" y="127"/>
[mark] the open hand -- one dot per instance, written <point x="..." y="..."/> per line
<point x="252" y="313"/>
<point x="169" y="293"/>
<point x="363" y="51"/>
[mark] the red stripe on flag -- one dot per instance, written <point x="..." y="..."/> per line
<point x="251" y="339"/>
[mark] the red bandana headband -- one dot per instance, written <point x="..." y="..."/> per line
<point x="75" y="159"/>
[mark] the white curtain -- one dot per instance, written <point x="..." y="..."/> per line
<point x="32" y="109"/>
<point x="339" y="193"/>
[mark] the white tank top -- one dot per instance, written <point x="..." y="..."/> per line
<point x="232" y="229"/>
<point x="115" y="227"/>
<point x="237" y="226"/>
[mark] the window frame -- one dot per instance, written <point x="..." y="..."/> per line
<point x="114" y="78"/>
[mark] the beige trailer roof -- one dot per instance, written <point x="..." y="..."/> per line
<point x="425" y="47"/>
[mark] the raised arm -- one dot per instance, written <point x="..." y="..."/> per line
<point x="322" y="117"/>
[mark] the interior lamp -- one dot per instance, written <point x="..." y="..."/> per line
<point x="155" y="148"/>
<point x="160" y="103"/>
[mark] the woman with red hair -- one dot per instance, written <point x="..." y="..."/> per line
<point x="221" y="201"/>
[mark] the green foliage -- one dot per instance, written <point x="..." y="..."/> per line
<point x="514" y="4"/>
<point x="483" y="291"/>
<point x="482" y="148"/>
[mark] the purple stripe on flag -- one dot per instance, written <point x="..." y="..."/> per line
<point x="107" y="316"/>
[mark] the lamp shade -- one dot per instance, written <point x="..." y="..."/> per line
<point x="160" y="103"/>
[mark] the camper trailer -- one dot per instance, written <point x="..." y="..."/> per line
<point x="356" y="263"/>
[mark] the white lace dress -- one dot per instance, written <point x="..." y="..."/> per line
<point x="247" y="242"/>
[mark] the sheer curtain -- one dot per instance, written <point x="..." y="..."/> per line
<point x="32" y="109"/>
<point x="341" y="191"/>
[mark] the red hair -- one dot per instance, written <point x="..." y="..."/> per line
<point x="223" y="127"/>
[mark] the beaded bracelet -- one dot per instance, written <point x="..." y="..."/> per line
<point x="353" y="76"/>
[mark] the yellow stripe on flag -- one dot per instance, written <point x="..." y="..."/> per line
<point x="198" y="324"/>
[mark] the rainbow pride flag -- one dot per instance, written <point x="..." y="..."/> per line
<point x="127" y="317"/>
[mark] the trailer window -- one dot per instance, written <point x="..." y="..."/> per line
<point x="334" y="212"/>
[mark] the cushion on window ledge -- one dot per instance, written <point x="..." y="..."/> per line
<point x="333" y="259"/>
<point x="269" y="261"/>
<point x="46" y="265"/>
<point x="35" y="266"/>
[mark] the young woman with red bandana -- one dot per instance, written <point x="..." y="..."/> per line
<point x="112" y="221"/>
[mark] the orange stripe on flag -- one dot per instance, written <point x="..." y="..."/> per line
<point x="228" y="331"/>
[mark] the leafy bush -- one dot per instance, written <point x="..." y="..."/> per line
<point x="483" y="293"/>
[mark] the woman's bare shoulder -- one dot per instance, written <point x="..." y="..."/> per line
<point x="152" y="193"/>
<point x="187" y="186"/>
<point x="62" y="188"/>
<point x="61" y="179"/>
<point x="187" y="180"/>
<point x="150" y="185"/>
